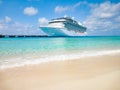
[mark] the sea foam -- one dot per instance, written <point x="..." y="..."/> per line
<point x="61" y="57"/>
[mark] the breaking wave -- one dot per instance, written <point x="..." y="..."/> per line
<point x="61" y="57"/>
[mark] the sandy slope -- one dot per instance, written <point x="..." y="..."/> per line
<point x="96" y="73"/>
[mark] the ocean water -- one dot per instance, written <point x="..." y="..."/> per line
<point x="16" y="52"/>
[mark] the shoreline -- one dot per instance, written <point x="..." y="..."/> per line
<point x="91" y="73"/>
<point x="65" y="57"/>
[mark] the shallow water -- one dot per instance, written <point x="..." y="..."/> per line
<point x="22" y="51"/>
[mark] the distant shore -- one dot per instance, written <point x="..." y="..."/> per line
<point x="3" y="36"/>
<point x="14" y="36"/>
<point x="91" y="73"/>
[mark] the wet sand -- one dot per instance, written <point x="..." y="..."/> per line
<point x="93" y="73"/>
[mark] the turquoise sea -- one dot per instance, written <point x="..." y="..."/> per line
<point x="15" y="52"/>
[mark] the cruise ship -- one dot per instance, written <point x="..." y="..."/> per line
<point x="64" y="26"/>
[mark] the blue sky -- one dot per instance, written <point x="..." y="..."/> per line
<point x="101" y="17"/>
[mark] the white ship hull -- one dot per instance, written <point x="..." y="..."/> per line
<point x="50" y="31"/>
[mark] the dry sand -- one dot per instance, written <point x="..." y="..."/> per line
<point x="94" y="73"/>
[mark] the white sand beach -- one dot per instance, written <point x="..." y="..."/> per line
<point x="91" y="73"/>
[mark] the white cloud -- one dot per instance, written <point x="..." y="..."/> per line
<point x="17" y="28"/>
<point x="4" y="22"/>
<point x="106" y="10"/>
<point x="79" y="3"/>
<point x="1" y="24"/>
<point x="8" y="19"/>
<point x="30" y="11"/>
<point x="104" y="17"/>
<point x="43" y="21"/>
<point x="117" y="19"/>
<point x="60" y="9"/>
